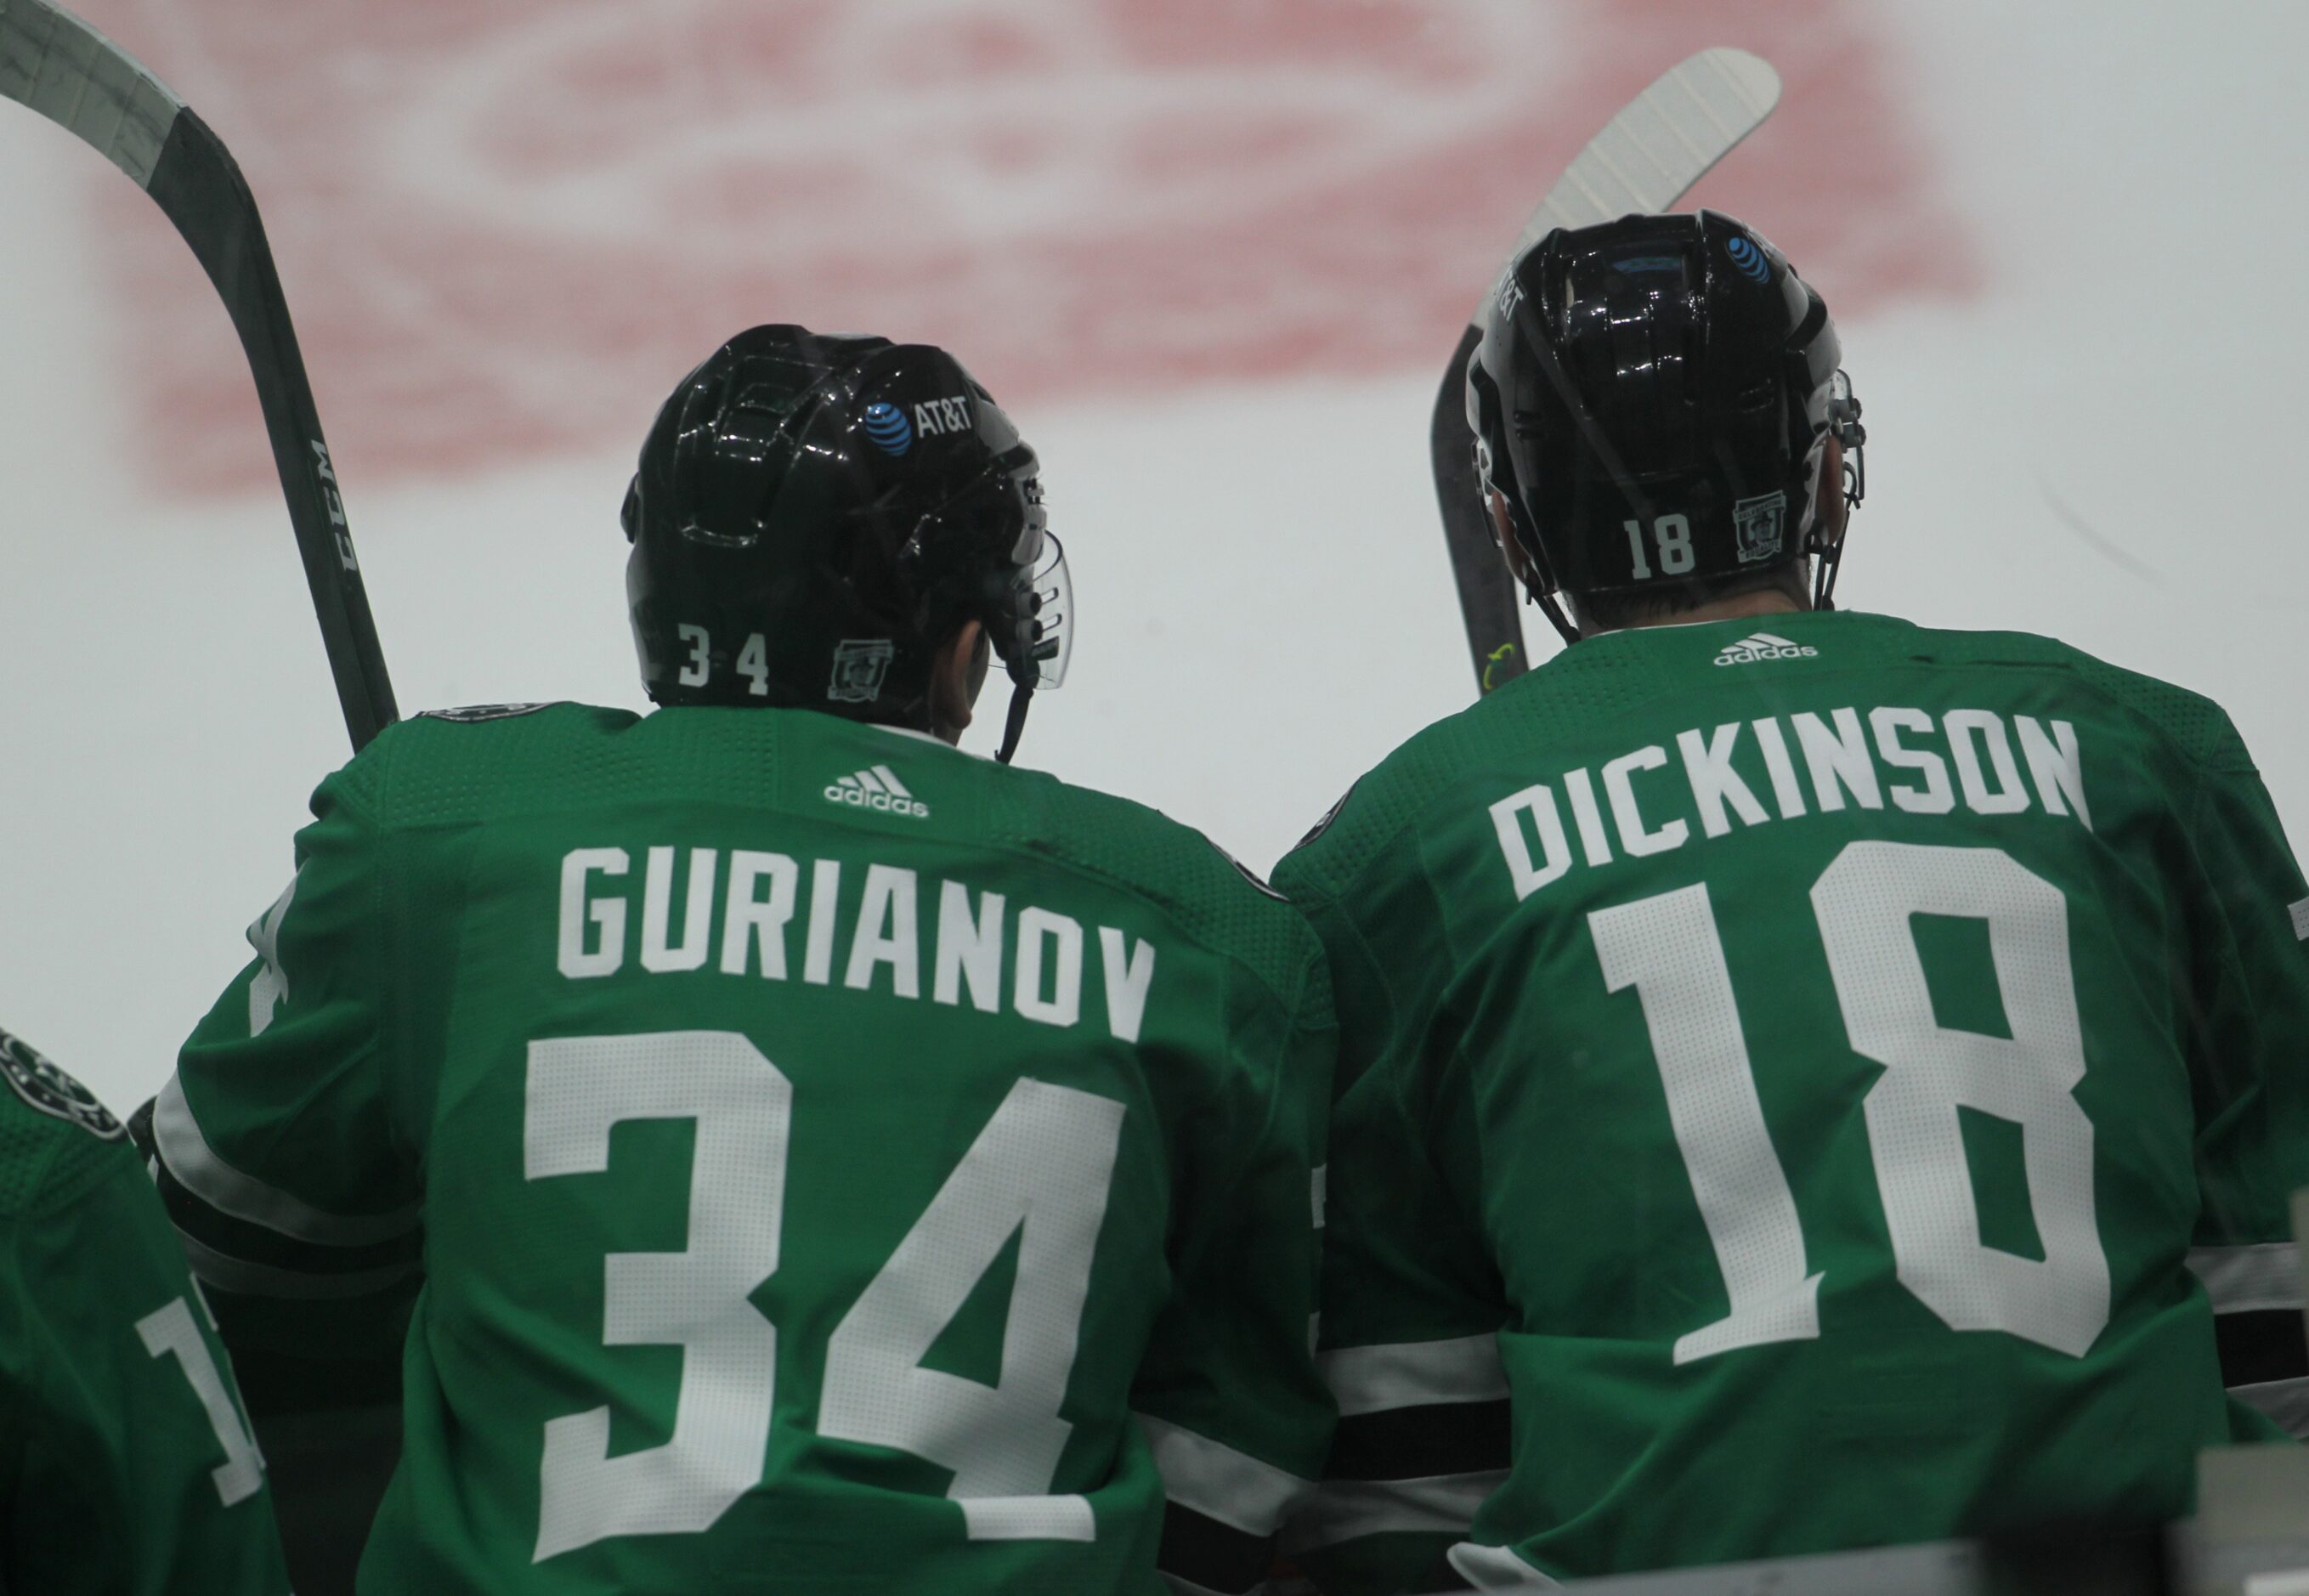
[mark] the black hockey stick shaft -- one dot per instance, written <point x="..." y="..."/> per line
<point x="1487" y="592"/>
<point x="200" y="188"/>
<point x="56" y="64"/>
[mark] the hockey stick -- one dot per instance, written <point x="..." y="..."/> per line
<point x="1646" y="157"/>
<point x="58" y="66"/>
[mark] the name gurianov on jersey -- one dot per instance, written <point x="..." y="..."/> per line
<point x="738" y="918"/>
<point x="1648" y="800"/>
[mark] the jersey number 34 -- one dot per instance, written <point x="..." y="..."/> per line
<point x="1042" y="1166"/>
<point x="1668" y="949"/>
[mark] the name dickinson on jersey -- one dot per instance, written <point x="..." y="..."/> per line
<point x="1920" y="763"/>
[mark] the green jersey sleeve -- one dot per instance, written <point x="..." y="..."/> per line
<point x="127" y="1462"/>
<point x="279" y="1150"/>
<point x="1226" y="1394"/>
<point x="1411" y="1303"/>
<point x="2245" y="1008"/>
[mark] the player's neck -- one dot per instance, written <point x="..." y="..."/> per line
<point x="1739" y="607"/>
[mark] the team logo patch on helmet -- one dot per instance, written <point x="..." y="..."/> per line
<point x="1748" y="259"/>
<point x="1761" y="524"/>
<point x="887" y="426"/>
<point x="47" y="1087"/>
<point x="858" y="667"/>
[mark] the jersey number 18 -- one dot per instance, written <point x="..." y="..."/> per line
<point x="1668" y="949"/>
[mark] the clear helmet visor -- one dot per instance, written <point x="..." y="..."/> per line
<point x="1046" y="627"/>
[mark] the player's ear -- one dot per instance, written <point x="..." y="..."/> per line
<point x="956" y="677"/>
<point x="1830" y="511"/>
<point x="1520" y="564"/>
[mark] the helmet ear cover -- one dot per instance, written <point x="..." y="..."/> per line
<point x="1487" y="418"/>
<point x="1654" y="397"/>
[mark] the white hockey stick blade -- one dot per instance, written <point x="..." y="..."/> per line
<point x="1662" y="143"/>
<point x="1645" y="159"/>
<point x="53" y="63"/>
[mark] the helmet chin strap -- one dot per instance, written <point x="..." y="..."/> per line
<point x="1022" y="698"/>
<point x="1551" y="607"/>
<point x="1844" y="425"/>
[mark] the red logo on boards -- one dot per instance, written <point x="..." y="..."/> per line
<point x="507" y="230"/>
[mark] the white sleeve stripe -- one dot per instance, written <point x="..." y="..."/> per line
<point x="1927" y="1568"/>
<point x="1350" y="1509"/>
<point x="1221" y="1483"/>
<point x="2242" y="1280"/>
<point x="2300" y="913"/>
<point x="1319" y="1191"/>
<point x="1181" y="1586"/>
<point x="1497" y="1568"/>
<point x="1414" y="1373"/>
<point x="226" y="1273"/>
<point x="2285" y="1401"/>
<point x="186" y="1154"/>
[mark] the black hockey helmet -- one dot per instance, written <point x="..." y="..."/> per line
<point x="816" y="515"/>
<point x="1652" y="397"/>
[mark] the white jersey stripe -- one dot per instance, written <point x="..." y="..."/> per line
<point x="2242" y="1280"/>
<point x="1347" y="1510"/>
<point x="1180" y="1586"/>
<point x="1221" y="1483"/>
<point x="2285" y="1401"/>
<point x="1934" y="1568"/>
<point x="1028" y="1518"/>
<point x="185" y="1153"/>
<point x="1414" y="1373"/>
<point x="1497" y="1568"/>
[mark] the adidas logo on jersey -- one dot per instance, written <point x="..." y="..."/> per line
<point x="878" y="790"/>
<point x="1763" y="645"/>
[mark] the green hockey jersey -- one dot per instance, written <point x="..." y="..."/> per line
<point x="126" y="1467"/>
<point x="1800" y="1089"/>
<point x="806" y="1159"/>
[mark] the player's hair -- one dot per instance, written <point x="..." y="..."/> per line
<point x="1616" y="612"/>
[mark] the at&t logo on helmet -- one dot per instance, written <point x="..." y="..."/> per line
<point x="886" y="425"/>
<point x="1748" y="259"/>
<point x="941" y="418"/>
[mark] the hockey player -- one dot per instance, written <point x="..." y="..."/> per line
<point x="1807" y="1081"/>
<point x="127" y="1468"/>
<point x="814" y="1143"/>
